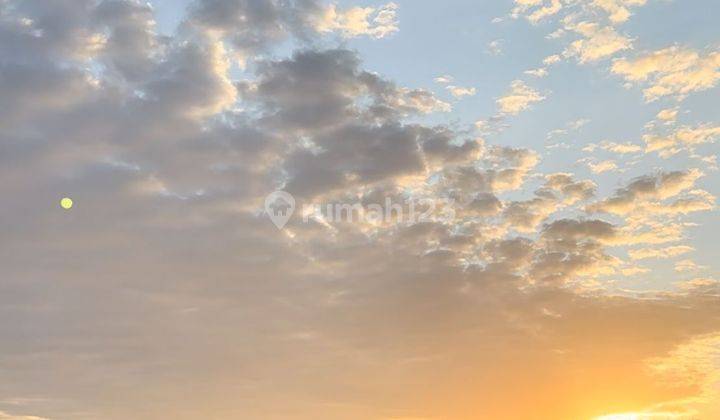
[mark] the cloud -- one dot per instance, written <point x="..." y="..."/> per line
<point x="357" y="21"/>
<point x="692" y="363"/>
<point x="672" y="251"/>
<point x="459" y="92"/>
<point x="552" y="59"/>
<point x="540" y="72"/>
<point x="579" y="229"/>
<point x="536" y="10"/>
<point x="495" y="47"/>
<point x="192" y="81"/>
<point x="558" y="191"/>
<point x="595" y="21"/>
<point x="366" y="155"/>
<point x="700" y="284"/>
<point x="668" y="115"/>
<point x="634" y="271"/>
<point x="621" y="148"/>
<point x="604" y="166"/>
<point x="320" y="89"/>
<point x="570" y="127"/>
<point x="646" y="189"/>
<point x="613" y="147"/>
<point x="598" y="42"/>
<point x="519" y="98"/>
<point x="687" y="266"/>
<point x="6" y="416"/>
<point x="257" y="26"/>
<point x="548" y="10"/>
<point x="485" y="204"/>
<point x="418" y="101"/>
<point x="573" y="191"/>
<point x="525" y="216"/>
<point x="675" y="71"/>
<point x="509" y="168"/>
<point x="684" y="137"/>
<point x="440" y="145"/>
<point x="618" y="10"/>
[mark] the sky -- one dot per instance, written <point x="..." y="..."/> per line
<point x="497" y="210"/>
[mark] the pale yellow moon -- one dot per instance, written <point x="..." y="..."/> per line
<point x="66" y="203"/>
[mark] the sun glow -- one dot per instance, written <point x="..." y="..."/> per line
<point x="642" y="416"/>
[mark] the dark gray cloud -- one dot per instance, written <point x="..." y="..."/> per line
<point x="255" y="25"/>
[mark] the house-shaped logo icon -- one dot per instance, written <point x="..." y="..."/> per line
<point x="279" y="205"/>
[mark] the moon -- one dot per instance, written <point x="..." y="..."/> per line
<point x="66" y="203"/>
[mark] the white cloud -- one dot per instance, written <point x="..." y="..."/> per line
<point x="621" y="148"/>
<point x="603" y="166"/>
<point x="539" y="72"/>
<point x="617" y="9"/>
<point x="668" y="115"/>
<point x="495" y="47"/>
<point x="613" y="147"/>
<point x="687" y="266"/>
<point x="536" y="10"/>
<point x="519" y="98"/>
<point x="634" y="271"/>
<point x="672" y="71"/>
<point x="420" y="100"/>
<point x="598" y="42"/>
<point x="6" y="416"/>
<point x="552" y="59"/>
<point x="672" y="251"/>
<point x="459" y="92"/>
<point x="681" y="138"/>
<point x="358" y="21"/>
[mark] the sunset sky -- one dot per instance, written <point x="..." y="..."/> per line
<point x="563" y="154"/>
